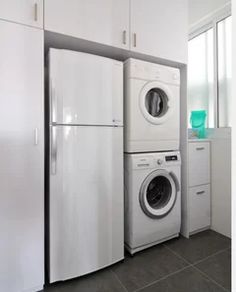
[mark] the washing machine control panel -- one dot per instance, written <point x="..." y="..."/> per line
<point x="152" y="160"/>
<point x="171" y="158"/>
<point x="159" y="161"/>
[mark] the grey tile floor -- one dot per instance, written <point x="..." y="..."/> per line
<point x="199" y="264"/>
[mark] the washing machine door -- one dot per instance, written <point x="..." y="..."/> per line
<point x="156" y="102"/>
<point x="158" y="193"/>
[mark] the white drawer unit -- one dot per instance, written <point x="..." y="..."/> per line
<point x="199" y="163"/>
<point x="199" y="205"/>
<point x="196" y="200"/>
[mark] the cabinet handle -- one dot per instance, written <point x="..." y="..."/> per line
<point x="35" y="12"/>
<point x="53" y="150"/>
<point x="200" y="148"/>
<point x="36" y="136"/>
<point x="201" y="193"/>
<point x="124" y="37"/>
<point x="135" y="40"/>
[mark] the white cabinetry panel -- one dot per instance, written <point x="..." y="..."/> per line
<point x="103" y="21"/>
<point x="199" y="163"/>
<point x="159" y="28"/>
<point x="22" y="158"/>
<point x="29" y="12"/>
<point x="200" y="215"/>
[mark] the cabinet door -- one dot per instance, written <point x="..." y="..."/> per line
<point x="22" y="158"/>
<point x="159" y="28"/>
<point x="199" y="163"/>
<point x="101" y="21"/>
<point x="29" y="12"/>
<point x="200" y="210"/>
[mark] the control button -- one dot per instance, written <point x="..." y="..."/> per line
<point x="159" y="161"/>
<point x="175" y="77"/>
<point x="158" y="74"/>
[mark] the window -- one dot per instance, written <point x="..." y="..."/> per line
<point x="209" y="73"/>
<point x="201" y="75"/>
<point x="224" y="29"/>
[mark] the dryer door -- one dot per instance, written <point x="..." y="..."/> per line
<point x="158" y="193"/>
<point x="156" y="102"/>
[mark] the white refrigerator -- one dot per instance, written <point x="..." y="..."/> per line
<point x="85" y="163"/>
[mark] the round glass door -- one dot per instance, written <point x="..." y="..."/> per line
<point x="158" y="194"/>
<point x="156" y="102"/>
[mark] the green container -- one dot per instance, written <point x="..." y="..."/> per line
<point x="198" y="120"/>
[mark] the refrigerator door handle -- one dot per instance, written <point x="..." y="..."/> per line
<point x="36" y="136"/>
<point x="53" y="103"/>
<point x="53" y="150"/>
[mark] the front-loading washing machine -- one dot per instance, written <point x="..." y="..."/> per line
<point x="152" y="199"/>
<point x="152" y="107"/>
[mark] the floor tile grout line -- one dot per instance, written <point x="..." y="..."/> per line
<point x="197" y="269"/>
<point x="189" y="264"/>
<point x="209" y="278"/>
<point x="163" y="278"/>
<point x="118" y="279"/>
<point x="199" y="261"/>
<point x="173" y="273"/>
<point x="212" y="255"/>
<point x="178" y="255"/>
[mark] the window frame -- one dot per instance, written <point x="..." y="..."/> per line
<point x="211" y="22"/>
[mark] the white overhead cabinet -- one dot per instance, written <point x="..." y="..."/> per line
<point x="21" y="158"/>
<point x="159" y="28"/>
<point x="156" y="28"/>
<point x="103" y="21"/>
<point x="29" y="12"/>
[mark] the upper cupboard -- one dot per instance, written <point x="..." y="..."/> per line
<point x="101" y="21"/>
<point x="28" y="12"/>
<point x="156" y="28"/>
<point x="160" y="28"/>
<point x="153" y="27"/>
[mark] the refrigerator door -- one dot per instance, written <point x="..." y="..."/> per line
<point x="86" y="199"/>
<point x="85" y="89"/>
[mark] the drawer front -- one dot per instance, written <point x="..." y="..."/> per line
<point x="199" y="163"/>
<point x="200" y="207"/>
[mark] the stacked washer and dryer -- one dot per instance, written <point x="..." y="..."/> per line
<point x="152" y="158"/>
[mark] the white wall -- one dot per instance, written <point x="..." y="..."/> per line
<point x="199" y="9"/>
<point x="221" y="180"/>
<point x="234" y="151"/>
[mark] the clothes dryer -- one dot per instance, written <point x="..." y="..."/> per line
<point x="152" y="107"/>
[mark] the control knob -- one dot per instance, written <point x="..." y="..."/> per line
<point x="159" y="161"/>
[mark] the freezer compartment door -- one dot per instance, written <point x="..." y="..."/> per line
<point x="86" y="200"/>
<point x="85" y="89"/>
